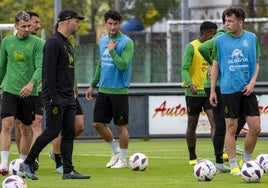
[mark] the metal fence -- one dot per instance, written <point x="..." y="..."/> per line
<point x="150" y="56"/>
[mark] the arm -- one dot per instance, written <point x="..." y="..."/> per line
<point x="94" y="82"/>
<point x="186" y="64"/>
<point x="3" y="62"/>
<point x="249" y="89"/>
<point x="51" y="54"/>
<point x="205" y="50"/>
<point x="36" y="77"/>
<point x="126" y="57"/>
<point x="214" y="76"/>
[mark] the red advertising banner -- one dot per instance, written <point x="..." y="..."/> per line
<point x="168" y="115"/>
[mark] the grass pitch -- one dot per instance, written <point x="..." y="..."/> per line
<point x="168" y="166"/>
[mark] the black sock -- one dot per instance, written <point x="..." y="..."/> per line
<point x="192" y="153"/>
<point x="58" y="160"/>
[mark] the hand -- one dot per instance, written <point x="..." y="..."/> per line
<point x="89" y="93"/>
<point x="213" y="99"/>
<point x="112" y="45"/>
<point x="248" y="90"/>
<point x="26" y="90"/>
<point x="193" y="89"/>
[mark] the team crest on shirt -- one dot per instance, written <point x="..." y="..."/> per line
<point x="237" y="60"/>
<point x="237" y="53"/>
<point x="55" y="110"/>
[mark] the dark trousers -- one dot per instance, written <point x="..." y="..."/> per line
<point x="57" y="119"/>
<point x="220" y="129"/>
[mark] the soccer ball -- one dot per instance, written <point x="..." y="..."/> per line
<point x="204" y="170"/>
<point x="251" y="172"/>
<point x="264" y="164"/>
<point x="14" y="181"/>
<point x="138" y="162"/>
<point x="16" y="168"/>
<point x="261" y="157"/>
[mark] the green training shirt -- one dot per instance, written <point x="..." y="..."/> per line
<point x="21" y="63"/>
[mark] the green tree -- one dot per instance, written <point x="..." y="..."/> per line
<point x="149" y="11"/>
<point x="45" y="9"/>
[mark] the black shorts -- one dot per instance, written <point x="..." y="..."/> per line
<point x="39" y="108"/>
<point x="238" y="105"/>
<point x="195" y="105"/>
<point x="78" y="107"/>
<point x="21" y="108"/>
<point x="110" y="106"/>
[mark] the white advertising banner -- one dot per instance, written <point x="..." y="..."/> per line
<point x="168" y="115"/>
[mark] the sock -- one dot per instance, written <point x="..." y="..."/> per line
<point x="233" y="163"/>
<point x="219" y="165"/>
<point x="114" y="146"/>
<point x="219" y="159"/>
<point x="4" y="157"/>
<point x="246" y="157"/>
<point x="192" y="153"/>
<point x="123" y="154"/>
<point x="23" y="157"/>
<point x="58" y="160"/>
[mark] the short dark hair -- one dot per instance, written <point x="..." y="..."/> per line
<point x="207" y="25"/>
<point x="22" y="16"/>
<point x="223" y="17"/>
<point x="32" y="14"/>
<point x="113" y="15"/>
<point x="238" y="12"/>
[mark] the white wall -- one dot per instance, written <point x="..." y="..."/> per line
<point x="209" y="3"/>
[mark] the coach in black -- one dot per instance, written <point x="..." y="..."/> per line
<point x="58" y="96"/>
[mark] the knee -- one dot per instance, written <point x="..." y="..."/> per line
<point x="97" y="125"/>
<point x="255" y="131"/>
<point x="25" y="130"/>
<point x="79" y="126"/>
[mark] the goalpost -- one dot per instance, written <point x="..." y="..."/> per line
<point x="181" y="32"/>
<point x="5" y="30"/>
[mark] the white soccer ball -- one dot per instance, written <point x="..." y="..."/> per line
<point x="14" y="181"/>
<point x="138" y="162"/>
<point x="16" y="168"/>
<point x="261" y="157"/>
<point x="204" y="170"/>
<point x="264" y="165"/>
<point x="251" y="172"/>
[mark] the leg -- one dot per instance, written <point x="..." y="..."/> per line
<point x="252" y="136"/>
<point x="106" y="133"/>
<point x="17" y="133"/>
<point x="211" y="122"/>
<point x="191" y="135"/>
<point x="57" y="154"/>
<point x="36" y="127"/>
<point x="67" y="133"/>
<point x="7" y="126"/>
<point x="231" y="127"/>
<point x="241" y="123"/>
<point x="53" y="127"/>
<point x="79" y="119"/>
<point x="79" y="125"/>
<point x="220" y="129"/>
<point x="26" y="138"/>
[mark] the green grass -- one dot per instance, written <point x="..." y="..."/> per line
<point x="168" y="166"/>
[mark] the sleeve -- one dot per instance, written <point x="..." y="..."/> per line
<point x="96" y="77"/>
<point x="186" y="64"/>
<point x="205" y="50"/>
<point x="3" y="61"/>
<point x="36" y="78"/>
<point x="258" y="48"/>
<point x="126" y="57"/>
<point x="51" y="53"/>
